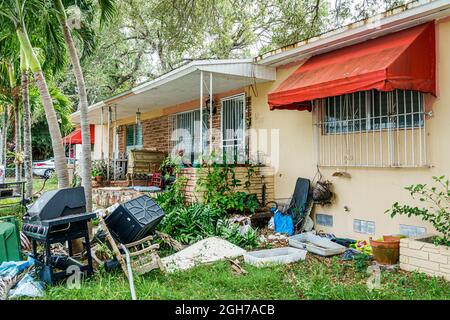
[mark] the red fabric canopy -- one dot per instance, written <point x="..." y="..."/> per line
<point x="402" y="60"/>
<point x="75" y="136"/>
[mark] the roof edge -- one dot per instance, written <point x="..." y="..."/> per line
<point x="394" y="20"/>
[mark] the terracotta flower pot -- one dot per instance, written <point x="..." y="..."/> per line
<point x="392" y="238"/>
<point x="99" y="179"/>
<point x="386" y="252"/>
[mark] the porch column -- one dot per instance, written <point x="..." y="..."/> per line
<point x="108" y="141"/>
<point x="210" y="111"/>
<point x="101" y="144"/>
<point x="201" y="112"/>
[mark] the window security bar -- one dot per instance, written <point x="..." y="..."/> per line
<point x="371" y="129"/>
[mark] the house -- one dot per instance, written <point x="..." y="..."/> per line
<point x="369" y="99"/>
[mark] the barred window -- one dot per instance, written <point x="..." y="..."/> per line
<point x="184" y="132"/>
<point x="233" y="128"/>
<point x="371" y="128"/>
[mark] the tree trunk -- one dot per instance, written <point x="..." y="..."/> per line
<point x="17" y="139"/>
<point x="28" y="160"/>
<point x="85" y="161"/>
<point x="53" y="126"/>
<point x="5" y="136"/>
<point x="55" y="134"/>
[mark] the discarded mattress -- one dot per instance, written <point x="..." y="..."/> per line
<point x="316" y="244"/>
<point x="205" y="251"/>
<point x="263" y="258"/>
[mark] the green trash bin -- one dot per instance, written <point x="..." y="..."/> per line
<point x="9" y="239"/>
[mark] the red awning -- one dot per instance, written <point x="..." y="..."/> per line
<point x="75" y="136"/>
<point x="402" y="60"/>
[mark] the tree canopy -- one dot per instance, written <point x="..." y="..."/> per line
<point x="148" y="37"/>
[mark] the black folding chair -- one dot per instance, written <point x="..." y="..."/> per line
<point x="300" y="205"/>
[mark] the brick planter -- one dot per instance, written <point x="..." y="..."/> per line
<point x="420" y="254"/>
<point x="262" y="175"/>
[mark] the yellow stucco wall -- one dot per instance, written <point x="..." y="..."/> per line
<point x="369" y="191"/>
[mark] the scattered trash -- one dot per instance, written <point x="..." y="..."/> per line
<point x="145" y="188"/>
<point x="268" y="257"/>
<point x="271" y="224"/>
<point x="11" y="269"/>
<point x="261" y="219"/>
<point x="315" y="244"/>
<point x="6" y="285"/>
<point x="205" y="251"/>
<point x="346" y="242"/>
<point x="236" y="267"/>
<point x="25" y="243"/>
<point x="243" y="222"/>
<point x="349" y="254"/>
<point x="27" y="287"/>
<point x="362" y="246"/>
<point x="174" y="244"/>
<point x="283" y="223"/>
<point x="308" y="225"/>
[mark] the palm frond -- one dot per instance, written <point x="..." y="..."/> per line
<point x="108" y="11"/>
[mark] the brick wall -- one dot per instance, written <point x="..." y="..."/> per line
<point x="155" y="134"/>
<point x="417" y="255"/>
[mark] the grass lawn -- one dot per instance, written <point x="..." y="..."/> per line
<point x="311" y="279"/>
<point x="315" y="278"/>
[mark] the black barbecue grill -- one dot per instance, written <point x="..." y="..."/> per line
<point x="58" y="216"/>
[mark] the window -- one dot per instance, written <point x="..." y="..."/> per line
<point x="133" y="137"/>
<point x="325" y="220"/>
<point x="411" y="231"/>
<point x="233" y="128"/>
<point x="186" y="134"/>
<point x="371" y="128"/>
<point x="364" y="226"/>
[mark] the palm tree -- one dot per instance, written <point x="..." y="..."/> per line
<point x="15" y="11"/>
<point x="12" y="98"/>
<point x="107" y="11"/>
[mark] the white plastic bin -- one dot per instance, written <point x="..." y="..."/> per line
<point x="269" y="257"/>
<point x="316" y="244"/>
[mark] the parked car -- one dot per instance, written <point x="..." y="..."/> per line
<point x="44" y="168"/>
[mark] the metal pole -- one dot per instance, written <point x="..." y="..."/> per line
<point x="102" y="126"/>
<point x="114" y="143"/>
<point x="109" y="133"/>
<point x="210" y="111"/>
<point x="201" y="112"/>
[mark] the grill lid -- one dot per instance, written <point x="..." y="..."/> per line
<point x="57" y="203"/>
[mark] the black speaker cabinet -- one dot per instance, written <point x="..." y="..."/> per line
<point x="135" y="219"/>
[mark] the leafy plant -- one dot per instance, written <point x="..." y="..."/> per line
<point x="437" y="207"/>
<point x="219" y="186"/>
<point x="170" y="166"/>
<point x="231" y="233"/>
<point x="174" y="195"/>
<point x="361" y="261"/>
<point x="99" y="168"/>
<point x="191" y="223"/>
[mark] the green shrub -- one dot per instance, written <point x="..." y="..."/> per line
<point x="219" y="188"/>
<point x="437" y="207"/>
<point x="191" y="223"/>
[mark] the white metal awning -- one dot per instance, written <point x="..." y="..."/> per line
<point x="179" y="86"/>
